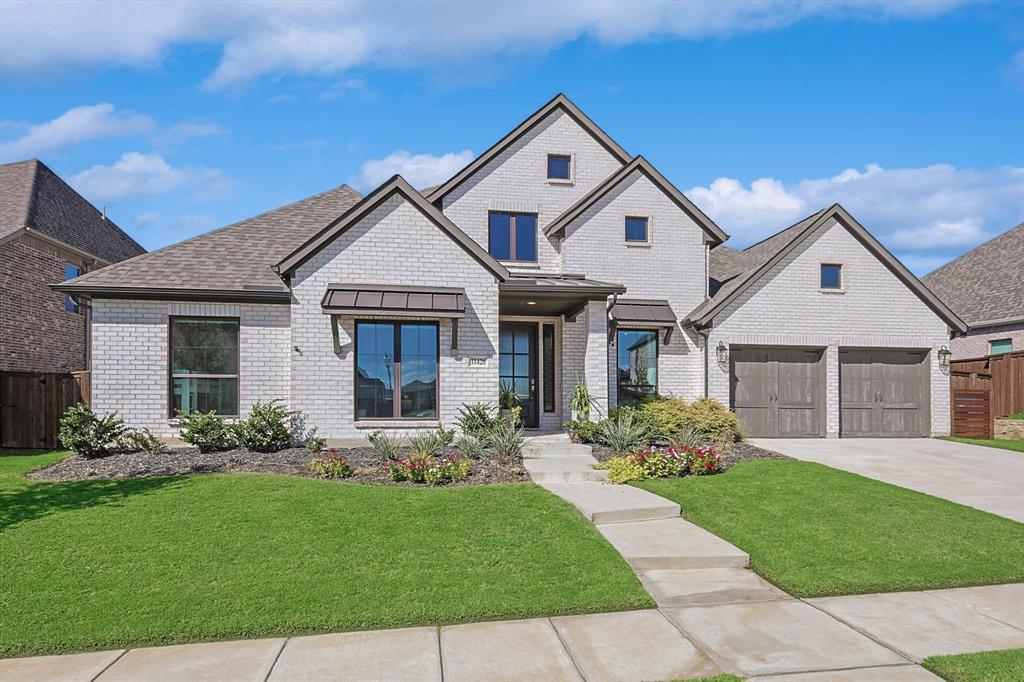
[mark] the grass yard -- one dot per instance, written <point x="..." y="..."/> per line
<point x="987" y="666"/>
<point x="1015" y="445"/>
<point x="816" y="531"/>
<point x="112" y="564"/>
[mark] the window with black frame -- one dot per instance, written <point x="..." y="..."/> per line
<point x="637" y="365"/>
<point x="204" y="365"/>
<point x="396" y="354"/>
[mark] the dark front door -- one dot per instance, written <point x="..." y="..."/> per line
<point x="517" y="355"/>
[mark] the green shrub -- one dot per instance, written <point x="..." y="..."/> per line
<point x="662" y="464"/>
<point x="711" y="419"/>
<point x="622" y="433"/>
<point x="667" y="416"/>
<point x="207" y="431"/>
<point x="316" y="444"/>
<point x="267" y="428"/>
<point x="704" y="461"/>
<point x="583" y="432"/>
<point x="507" y="440"/>
<point x="143" y="439"/>
<point x="642" y="420"/>
<point x="470" y="446"/>
<point x="476" y="419"/>
<point x="412" y="468"/>
<point x="88" y="435"/>
<point x="331" y="465"/>
<point x="385" y="446"/>
<point x="447" y="469"/>
<point x="582" y="402"/>
<point x="431" y="443"/>
<point x="623" y="469"/>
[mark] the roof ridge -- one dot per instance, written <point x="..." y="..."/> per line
<point x="776" y="234"/>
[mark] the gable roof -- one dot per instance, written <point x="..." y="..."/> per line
<point x="231" y="263"/>
<point x="985" y="285"/>
<point x="36" y="200"/>
<point x="638" y="165"/>
<point x="751" y="263"/>
<point x="560" y="101"/>
<point x="396" y="185"/>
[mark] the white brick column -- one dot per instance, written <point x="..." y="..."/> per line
<point x="832" y="392"/>
<point x="595" y="365"/>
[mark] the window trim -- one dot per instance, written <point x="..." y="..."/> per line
<point x="396" y="395"/>
<point x="571" y="180"/>
<point x="68" y="300"/>
<point x="647" y="230"/>
<point x="657" y="358"/>
<point x="170" y="363"/>
<point x="994" y="341"/>
<point x="842" y="278"/>
<point x="512" y="236"/>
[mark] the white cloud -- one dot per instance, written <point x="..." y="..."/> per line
<point x="328" y="37"/>
<point x="138" y="174"/>
<point x="75" y="126"/>
<point x="420" y="170"/>
<point x="924" y="211"/>
<point x="186" y="130"/>
<point x="312" y="144"/>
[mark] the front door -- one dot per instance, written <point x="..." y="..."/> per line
<point x="517" y="356"/>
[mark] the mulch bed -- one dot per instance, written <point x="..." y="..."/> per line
<point x="736" y="453"/>
<point x="290" y="461"/>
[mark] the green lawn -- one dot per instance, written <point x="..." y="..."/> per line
<point x="988" y="666"/>
<point x="110" y="564"/>
<point x="1015" y="445"/>
<point x="816" y="531"/>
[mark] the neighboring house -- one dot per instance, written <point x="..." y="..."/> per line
<point x="986" y="289"/>
<point x="48" y="233"/>
<point x="554" y="258"/>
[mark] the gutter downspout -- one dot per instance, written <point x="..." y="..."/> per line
<point x="707" y="378"/>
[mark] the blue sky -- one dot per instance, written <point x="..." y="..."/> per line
<point x="182" y="117"/>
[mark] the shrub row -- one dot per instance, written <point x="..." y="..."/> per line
<point x="675" y="460"/>
<point x="659" y="420"/>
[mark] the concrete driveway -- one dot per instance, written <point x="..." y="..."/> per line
<point x="985" y="478"/>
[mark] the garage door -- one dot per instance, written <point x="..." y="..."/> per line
<point x="778" y="391"/>
<point x="883" y="393"/>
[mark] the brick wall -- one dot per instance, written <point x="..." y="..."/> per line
<point x="394" y="244"/>
<point x="130" y="370"/>
<point x="516" y="180"/>
<point x="876" y="310"/>
<point x="976" y="343"/>
<point x="36" y="333"/>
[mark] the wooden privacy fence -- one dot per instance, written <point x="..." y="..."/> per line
<point x="972" y="413"/>
<point x="32" y="403"/>
<point x="999" y="377"/>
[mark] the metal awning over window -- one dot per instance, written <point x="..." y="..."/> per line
<point x="394" y="300"/>
<point x="625" y="312"/>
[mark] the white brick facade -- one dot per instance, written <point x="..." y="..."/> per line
<point x="876" y="310"/>
<point x="976" y="343"/>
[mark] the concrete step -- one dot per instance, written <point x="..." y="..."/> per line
<point x="705" y="586"/>
<point x="564" y="469"/>
<point x="613" y="504"/>
<point x="671" y="543"/>
<point x="587" y="475"/>
<point x="543" y="450"/>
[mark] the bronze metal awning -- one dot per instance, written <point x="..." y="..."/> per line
<point x="394" y="300"/>
<point x="647" y="313"/>
<point x="551" y="294"/>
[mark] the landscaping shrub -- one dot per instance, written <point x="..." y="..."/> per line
<point x="316" y="444"/>
<point x="88" y="435"/>
<point x="412" y="468"/>
<point x="663" y="463"/>
<point x="431" y="443"/>
<point x="143" y="439"/>
<point x="642" y="420"/>
<point x="476" y="419"/>
<point x="583" y="431"/>
<point x="470" y="446"/>
<point x="676" y="460"/>
<point x="507" y="440"/>
<point x="267" y="428"/>
<point x="623" y="469"/>
<point x="582" y="402"/>
<point x="446" y="469"/>
<point x="207" y="431"/>
<point x="622" y="433"/>
<point x="385" y="446"/>
<point x="508" y="404"/>
<point x="712" y="419"/>
<point x="331" y="465"/>
<point x="667" y="416"/>
<point x="704" y="460"/>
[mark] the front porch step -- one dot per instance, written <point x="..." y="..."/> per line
<point x="604" y="503"/>
<point x="707" y="586"/>
<point x="671" y="543"/>
<point x="535" y="450"/>
<point x="563" y="469"/>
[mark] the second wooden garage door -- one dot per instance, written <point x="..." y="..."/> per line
<point x="778" y="392"/>
<point x="883" y="393"/>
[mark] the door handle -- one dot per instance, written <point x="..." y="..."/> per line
<point x="533" y="388"/>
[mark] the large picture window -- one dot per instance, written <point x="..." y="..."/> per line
<point x="637" y="364"/>
<point x="512" y="236"/>
<point x="204" y="365"/>
<point x="396" y="354"/>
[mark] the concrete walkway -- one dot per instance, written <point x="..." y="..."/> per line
<point x="985" y="478"/>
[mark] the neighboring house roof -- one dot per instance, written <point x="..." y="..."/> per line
<point x="985" y="286"/>
<point x="638" y="165"/>
<point x="396" y="185"/>
<point x="741" y="269"/>
<point x="34" y="199"/>
<point x="560" y="101"/>
<point x="232" y="263"/>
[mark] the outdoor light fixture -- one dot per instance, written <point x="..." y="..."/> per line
<point x="531" y="303"/>
<point x="722" y="353"/>
<point x="944" y="356"/>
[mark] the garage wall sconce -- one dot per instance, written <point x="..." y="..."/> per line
<point x="944" y="356"/>
<point x="722" y="353"/>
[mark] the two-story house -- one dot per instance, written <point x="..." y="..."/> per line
<point x="554" y="258"/>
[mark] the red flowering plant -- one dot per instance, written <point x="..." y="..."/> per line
<point x="329" y="464"/>
<point x="412" y="468"/>
<point x="703" y="460"/>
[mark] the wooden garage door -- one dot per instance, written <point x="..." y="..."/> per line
<point x="883" y="393"/>
<point x="777" y="391"/>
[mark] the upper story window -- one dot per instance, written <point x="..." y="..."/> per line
<point x="559" y="167"/>
<point x="998" y="346"/>
<point x="70" y="272"/>
<point x="636" y="229"/>
<point x="512" y="236"/>
<point x="204" y="365"/>
<point x="831" y="276"/>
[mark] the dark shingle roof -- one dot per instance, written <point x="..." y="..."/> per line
<point x="986" y="284"/>
<point x="33" y="196"/>
<point x="234" y="258"/>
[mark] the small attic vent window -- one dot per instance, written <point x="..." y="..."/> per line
<point x="831" y="276"/>
<point x="559" y="167"/>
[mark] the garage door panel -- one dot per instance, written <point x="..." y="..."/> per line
<point x="901" y="421"/>
<point x="883" y="393"/>
<point x="795" y="422"/>
<point x="857" y="421"/>
<point x="777" y="391"/>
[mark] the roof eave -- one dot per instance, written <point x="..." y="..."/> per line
<point x="175" y="293"/>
